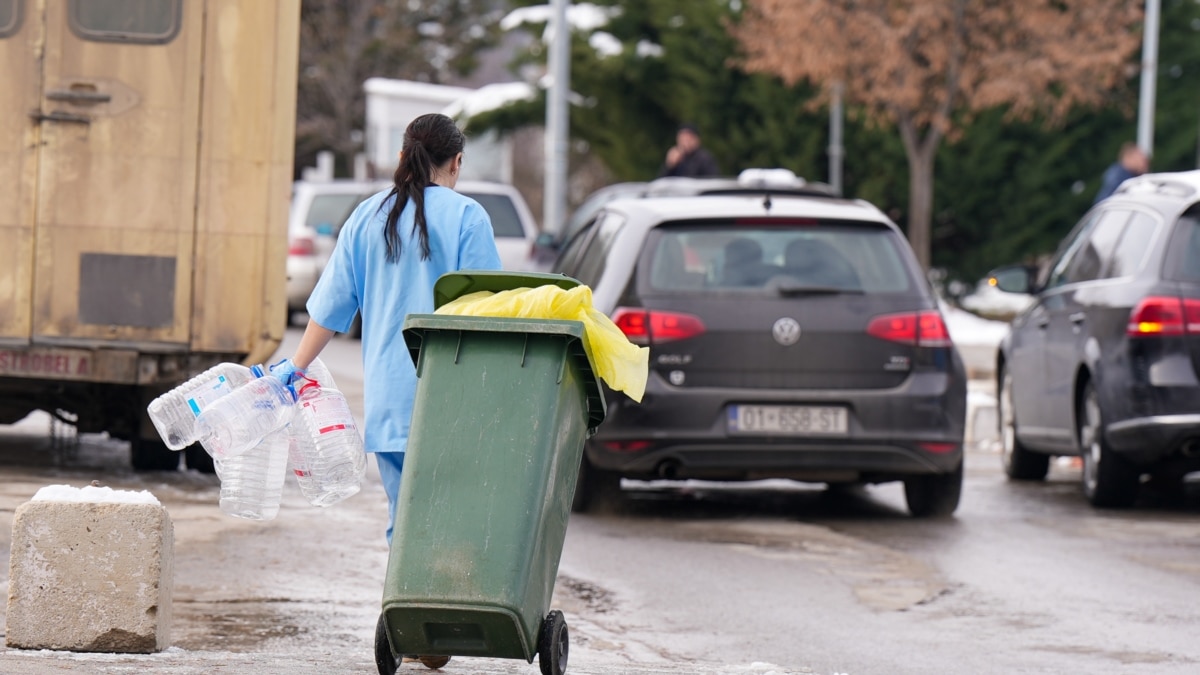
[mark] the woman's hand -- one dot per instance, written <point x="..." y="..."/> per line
<point x="286" y="371"/>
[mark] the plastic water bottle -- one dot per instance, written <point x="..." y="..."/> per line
<point x="327" y="456"/>
<point x="252" y="482"/>
<point x="236" y="422"/>
<point x="174" y="413"/>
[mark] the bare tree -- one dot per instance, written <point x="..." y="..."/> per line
<point x="926" y="66"/>
<point x="344" y="42"/>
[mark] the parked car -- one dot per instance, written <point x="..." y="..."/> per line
<point x="790" y="336"/>
<point x="550" y="244"/>
<point x="1106" y="362"/>
<point x="319" y="209"/>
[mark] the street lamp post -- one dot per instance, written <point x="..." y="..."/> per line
<point x="1145" y="132"/>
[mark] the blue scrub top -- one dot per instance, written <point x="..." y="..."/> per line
<point x="358" y="278"/>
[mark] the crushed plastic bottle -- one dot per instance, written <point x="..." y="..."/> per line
<point x="327" y="453"/>
<point x="239" y="420"/>
<point x="174" y="413"/>
<point x="252" y="482"/>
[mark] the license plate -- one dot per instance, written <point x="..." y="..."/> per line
<point x="53" y="363"/>
<point x="788" y="419"/>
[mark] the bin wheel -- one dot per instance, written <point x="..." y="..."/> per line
<point x="386" y="661"/>
<point x="553" y="644"/>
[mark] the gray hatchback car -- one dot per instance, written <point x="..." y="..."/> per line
<point x="790" y="337"/>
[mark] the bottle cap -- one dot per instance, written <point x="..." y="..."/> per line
<point x="257" y="370"/>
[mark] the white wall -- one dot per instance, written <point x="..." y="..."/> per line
<point x="393" y="104"/>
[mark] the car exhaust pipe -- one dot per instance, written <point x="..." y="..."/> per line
<point x="668" y="470"/>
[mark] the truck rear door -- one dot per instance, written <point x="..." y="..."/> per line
<point x="17" y="163"/>
<point x="113" y="89"/>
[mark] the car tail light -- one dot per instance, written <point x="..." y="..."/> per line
<point x="628" y="446"/>
<point x="301" y="246"/>
<point x="924" y="329"/>
<point x="645" y="327"/>
<point x="1158" y="316"/>
<point x="938" y="448"/>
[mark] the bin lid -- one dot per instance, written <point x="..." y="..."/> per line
<point x="416" y="325"/>
<point x="454" y="285"/>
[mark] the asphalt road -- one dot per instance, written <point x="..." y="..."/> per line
<point x="770" y="577"/>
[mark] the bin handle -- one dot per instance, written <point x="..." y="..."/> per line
<point x="562" y="368"/>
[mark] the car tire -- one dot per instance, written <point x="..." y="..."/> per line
<point x="934" y="495"/>
<point x="595" y="489"/>
<point x="1109" y="481"/>
<point x="1019" y="462"/>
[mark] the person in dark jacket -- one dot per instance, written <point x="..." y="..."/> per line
<point x="688" y="158"/>
<point x="1131" y="161"/>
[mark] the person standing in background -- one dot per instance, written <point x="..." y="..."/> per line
<point x="1131" y="161"/>
<point x="688" y="157"/>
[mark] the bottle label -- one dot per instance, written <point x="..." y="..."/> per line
<point x="205" y="394"/>
<point x="329" y="414"/>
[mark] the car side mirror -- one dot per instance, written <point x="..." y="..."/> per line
<point x="544" y="240"/>
<point x="1013" y="278"/>
<point x="325" y="229"/>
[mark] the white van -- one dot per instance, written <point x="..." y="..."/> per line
<point x="319" y="209"/>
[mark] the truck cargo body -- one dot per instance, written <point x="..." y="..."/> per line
<point x="145" y="171"/>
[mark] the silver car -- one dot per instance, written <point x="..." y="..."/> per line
<point x="319" y="209"/>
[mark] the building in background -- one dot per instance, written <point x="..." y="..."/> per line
<point x="393" y="104"/>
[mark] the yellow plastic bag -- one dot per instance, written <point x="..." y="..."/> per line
<point x="622" y="365"/>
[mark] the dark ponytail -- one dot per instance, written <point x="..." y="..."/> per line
<point x="429" y="142"/>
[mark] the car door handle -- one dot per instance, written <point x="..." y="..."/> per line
<point x="1042" y="323"/>
<point x="1077" y="317"/>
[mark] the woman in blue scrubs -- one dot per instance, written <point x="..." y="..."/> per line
<point x="391" y="250"/>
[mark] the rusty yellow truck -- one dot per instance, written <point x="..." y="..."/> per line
<point x="145" y="171"/>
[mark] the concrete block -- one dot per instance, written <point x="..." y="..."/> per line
<point x="90" y="576"/>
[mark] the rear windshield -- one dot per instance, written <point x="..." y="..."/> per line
<point x="331" y="209"/>
<point x="826" y="255"/>
<point x="500" y="208"/>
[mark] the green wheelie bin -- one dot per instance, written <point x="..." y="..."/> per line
<point x="501" y="413"/>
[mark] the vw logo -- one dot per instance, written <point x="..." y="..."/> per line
<point x="786" y="331"/>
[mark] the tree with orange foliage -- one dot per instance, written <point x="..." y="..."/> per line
<point x="926" y="66"/>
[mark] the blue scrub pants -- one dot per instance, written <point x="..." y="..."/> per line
<point x="391" y="465"/>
